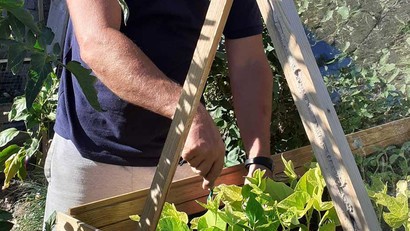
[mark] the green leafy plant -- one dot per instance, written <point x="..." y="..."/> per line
<point x="386" y="175"/>
<point x="263" y="204"/>
<point x="26" y="40"/>
<point x="393" y="210"/>
<point x="5" y="220"/>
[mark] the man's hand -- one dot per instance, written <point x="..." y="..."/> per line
<point x="204" y="149"/>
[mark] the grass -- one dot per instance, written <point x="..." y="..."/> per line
<point x="26" y="200"/>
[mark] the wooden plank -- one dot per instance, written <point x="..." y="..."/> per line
<point x="203" y="56"/>
<point x="319" y="118"/>
<point x="364" y="142"/>
<point x="111" y="211"/>
<point x="68" y="223"/>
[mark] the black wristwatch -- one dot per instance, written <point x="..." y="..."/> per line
<point x="261" y="160"/>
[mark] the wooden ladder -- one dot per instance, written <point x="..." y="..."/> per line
<point x="309" y="92"/>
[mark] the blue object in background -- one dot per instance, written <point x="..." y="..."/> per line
<point x="327" y="56"/>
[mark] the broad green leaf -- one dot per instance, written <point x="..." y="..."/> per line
<point x="18" y="29"/>
<point x="254" y="211"/>
<point x="6" y="225"/>
<point x="211" y="219"/>
<point x="5" y="216"/>
<point x="5" y="31"/>
<point x="233" y="217"/>
<point x="229" y="193"/>
<point x="86" y="81"/>
<point x="311" y="182"/>
<point x="39" y="71"/>
<point x="169" y="210"/>
<point x="18" y="110"/>
<point x="56" y="49"/>
<point x="16" y="55"/>
<point x="296" y="202"/>
<point x="289" y="217"/>
<point x="327" y="227"/>
<point x="46" y="37"/>
<point x="12" y="165"/>
<point x="277" y="190"/>
<point x="22" y="172"/>
<point x="171" y="223"/>
<point x="330" y="216"/>
<point x="25" y="17"/>
<point x="8" y="135"/>
<point x="125" y="10"/>
<point x="289" y="169"/>
<point x="6" y="153"/>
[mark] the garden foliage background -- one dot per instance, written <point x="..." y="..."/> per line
<point x="370" y="88"/>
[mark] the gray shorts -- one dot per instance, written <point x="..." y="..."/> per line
<point x="74" y="180"/>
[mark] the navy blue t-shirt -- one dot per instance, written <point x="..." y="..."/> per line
<point x="167" y="32"/>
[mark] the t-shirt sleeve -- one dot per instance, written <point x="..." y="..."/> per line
<point x="244" y="20"/>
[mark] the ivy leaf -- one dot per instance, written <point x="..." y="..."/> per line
<point x="39" y="71"/>
<point x="125" y="10"/>
<point x="86" y="81"/>
<point x="8" y="135"/>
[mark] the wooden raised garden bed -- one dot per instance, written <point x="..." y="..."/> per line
<point x="113" y="213"/>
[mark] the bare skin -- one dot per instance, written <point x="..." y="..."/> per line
<point x="96" y="25"/>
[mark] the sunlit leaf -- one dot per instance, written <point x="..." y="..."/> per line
<point x="8" y="135"/>
<point x="86" y="81"/>
<point x="125" y="10"/>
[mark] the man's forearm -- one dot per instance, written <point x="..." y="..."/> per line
<point x="251" y="82"/>
<point x="117" y="61"/>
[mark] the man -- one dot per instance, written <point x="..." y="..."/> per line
<point x="140" y="68"/>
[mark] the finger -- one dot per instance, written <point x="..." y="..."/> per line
<point x="213" y="173"/>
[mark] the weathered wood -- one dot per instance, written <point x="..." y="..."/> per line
<point x="111" y="213"/>
<point x="68" y="223"/>
<point x="319" y="118"/>
<point x="203" y="56"/>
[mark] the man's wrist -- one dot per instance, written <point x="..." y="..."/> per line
<point x="260" y="160"/>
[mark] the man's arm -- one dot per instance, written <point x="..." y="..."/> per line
<point x="251" y="83"/>
<point x="132" y="76"/>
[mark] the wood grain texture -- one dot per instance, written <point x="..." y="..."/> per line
<point x="319" y="118"/>
<point x="68" y="223"/>
<point x="203" y="56"/>
<point x="111" y="213"/>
